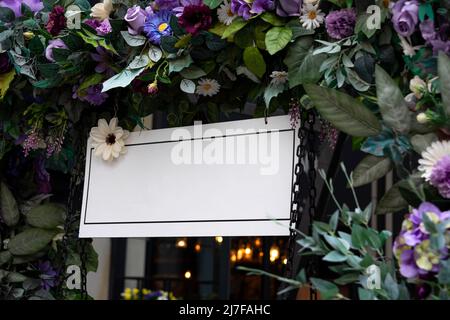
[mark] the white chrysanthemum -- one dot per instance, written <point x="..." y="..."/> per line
<point x="102" y="10"/>
<point x="278" y="77"/>
<point x="432" y="155"/>
<point x="108" y="139"/>
<point x="224" y="13"/>
<point x="208" y="87"/>
<point x="312" y="17"/>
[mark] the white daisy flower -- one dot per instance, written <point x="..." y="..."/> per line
<point x="312" y="17"/>
<point x="431" y="156"/>
<point x="224" y="13"/>
<point x="278" y="77"/>
<point x="102" y="10"/>
<point x="108" y="139"/>
<point x="208" y="87"/>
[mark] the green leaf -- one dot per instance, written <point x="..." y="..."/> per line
<point x="273" y="19"/>
<point x="366" y="294"/>
<point x="391" y="287"/>
<point x="6" y="14"/>
<point x="254" y="61"/>
<point x="46" y="216"/>
<point x="327" y="289"/>
<point x="36" y="46"/>
<point x="168" y="44"/>
<point x="303" y="65"/>
<point x="95" y="40"/>
<point x="15" y="277"/>
<point x="358" y="240"/>
<point x="139" y="62"/>
<point x="421" y="141"/>
<point x="9" y="208"/>
<point x="30" y="241"/>
<point x="370" y="169"/>
<point x="334" y="220"/>
<point x="391" y="202"/>
<point x="392" y="105"/>
<point x="347" y="279"/>
<point x="5" y="256"/>
<point x="444" y="272"/>
<point x="344" y="112"/>
<point x="133" y="40"/>
<point x="362" y="26"/>
<point x="121" y="79"/>
<point x="297" y="29"/>
<point x="272" y="91"/>
<point x="5" y="81"/>
<point x="91" y="80"/>
<point x="192" y="72"/>
<point x="334" y="256"/>
<point x="444" y="80"/>
<point x="179" y="64"/>
<point x="212" y="3"/>
<point x="277" y="38"/>
<point x="234" y="27"/>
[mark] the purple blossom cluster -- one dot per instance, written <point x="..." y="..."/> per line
<point x="247" y="9"/>
<point x="341" y="23"/>
<point x="416" y="257"/>
<point x="440" y="176"/>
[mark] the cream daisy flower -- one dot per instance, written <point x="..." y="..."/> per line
<point x="431" y="156"/>
<point x="102" y="10"/>
<point x="312" y="17"/>
<point x="224" y="13"/>
<point x="108" y="139"/>
<point x="208" y="87"/>
<point x="278" y="77"/>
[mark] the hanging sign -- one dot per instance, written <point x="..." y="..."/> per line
<point x="223" y="179"/>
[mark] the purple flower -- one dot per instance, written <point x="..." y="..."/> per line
<point x="42" y="177"/>
<point x="405" y="16"/>
<point x="288" y="8"/>
<point x="195" y="18"/>
<point x="136" y="18"/>
<point x="440" y="176"/>
<point x="438" y="39"/>
<point x="52" y="44"/>
<point x="49" y="275"/>
<point x="341" y="23"/>
<point x="104" y="28"/>
<point x="5" y="63"/>
<point x="247" y="9"/>
<point x="16" y="5"/>
<point x="427" y="29"/>
<point x="93" y="23"/>
<point x="157" y="26"/>
<point x="167" y="4"/>
<point x="56" y="21"/>
<point x="104" y="60"/>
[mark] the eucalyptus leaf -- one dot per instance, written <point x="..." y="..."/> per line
<point x="30" y="241"/>
<point x="334" y="256"/>
<point x="344" y="112"/>
<point x="9" y="209"/>
<point x="327" y="289"/>
<point x="179" y="64"/>
<point x="272" y="91"/>
<point x="370" y="169"/>
<point x="139" y="62"/>
<point x="392" y="105"/>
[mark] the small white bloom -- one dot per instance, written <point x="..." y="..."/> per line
<point x="408" y="49"/>
<point x="208" y="87"/>
<point x="422" y="118"/>
<point x="431" y="85"/>
<point x="108" y="140"/>
<point x="310" y="1"/>
<point x="312" y="17"/>
<point x="101" y="11"/>
<point x="278" y="77"/>
<point x="224" y="13"/>
<point x="431" y="156"/>
<point x="417" y="86"/>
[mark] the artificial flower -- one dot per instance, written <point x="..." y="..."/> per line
<point x="422" y="118"/>
<point x="102" y="11"/>
<point x="208" y="87"/>
<point x="278" y="77"/>
<point x="417" y="86"/>
<point x="166" y="4"/>
<point x="49" y="276"/>
<point x="16" y="5"/>
<point x="103" y="59"/>
<point x="288" y="8"/>
<point x="108" y="140"/>
<point x="341" y="23"/>
<point x="312" y="17"/>
<point x="195" y="17"/>
<point x="136" y="18"/>
<point x="248" y="8"/>
<point x="224" y="13"/>
<point x="152" y="88"/>
<point x="52" y="44"/>
<point x="437" y="38"/>
<point x="431" y="157"/>
<point x="408" y="49"/>
<point x="157" y="26"/>
<point x="405" y="16"/>
<point x="92" y="95"/>
<point x="440" y="176"/>
<point x="104" y="28"/>
<point x="56" y="21"/>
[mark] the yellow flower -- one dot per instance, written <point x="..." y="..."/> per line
<point x="101" y="11"/>
<point x="426" y="258"/>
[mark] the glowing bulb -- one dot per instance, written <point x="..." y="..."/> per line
<point x="198" y="247"/>
<point x="181" y="243"/>
<point x="285" y="261"/>
<point x="187" y="274"/>
<point x="219" y="239"/>
<point x="240" y="254"/>
<point x="258" y="242"/>
<point x="233" y="258"/>
<point x="274" y="254"/>
<point x="248" y="251"/>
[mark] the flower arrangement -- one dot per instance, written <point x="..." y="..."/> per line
<point x="146" y="294"/>
<point x="375" y="70"/>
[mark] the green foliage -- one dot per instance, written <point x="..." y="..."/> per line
<point x="254" y="61"/>
<point x="277" y="38"/>
<point x="9" y="208"/>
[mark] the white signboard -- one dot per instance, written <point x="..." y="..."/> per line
<point x="222" y="179"/>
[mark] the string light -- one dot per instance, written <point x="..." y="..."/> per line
<point x="219" y="240"/>
<point x="181" y="243"/>
<point x="274" y="254"/>
<point x="198" y="247"/>
<point x="285" y="261"/>
<point x="187" y="274"/>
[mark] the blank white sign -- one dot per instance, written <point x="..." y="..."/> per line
<point x="223" y="179"/>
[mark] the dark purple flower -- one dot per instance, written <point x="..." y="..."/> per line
<point x="341" y="23"/>
<point x="246" y="9"/>
<point x="440" y="177"/>
<point x="260" y="6"/>
<point x="427" y="29"/>
<point x="405" y="16"/>
<point x="195" y="18"/>
<point x="56" y="43"/>
<point x="42" y="177"/>
<point x="16" y="5"/>
<point x="104" y="61"/>
<point x="167" y="4"/>
<point x="288" y="8"/>
<point x="93" y="23"/>
<point x="157" y="26"/>
<point x="136" y="18"/>
<point x="5" y="63"/>
<point x="437" y="38"/>
<point x="56" y="21"/>
<point x="49" y="275"/>
<point x="92" y="95"/>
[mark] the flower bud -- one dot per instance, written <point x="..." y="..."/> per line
<point x="417" y="86"/>
<point x="28" y="35"/>
<point x="422" y="118"/>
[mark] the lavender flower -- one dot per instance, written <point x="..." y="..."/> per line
<point x="341" y="23"/>
<point x="104" y="60"/>
<point x="405" y="16"/>
<point x="157" y="26"/>
<point x="167" y="4"/>
<point x="31" y="142"/>
<point x="16" y="5"/>
<point x="104" y="28"/>
<point x="440" y="176"/>
<point x="48" y="275"/>
<point x="136" y="18"/>
<point x="56" y="43"/>
<point x="247" y="9"/>
<point x="288" y="8"/>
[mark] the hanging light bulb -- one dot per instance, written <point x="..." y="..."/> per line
<point x="181" y="243"/>
<point x="274" y="254"/>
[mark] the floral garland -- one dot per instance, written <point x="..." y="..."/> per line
<point x="376" y="70"/>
